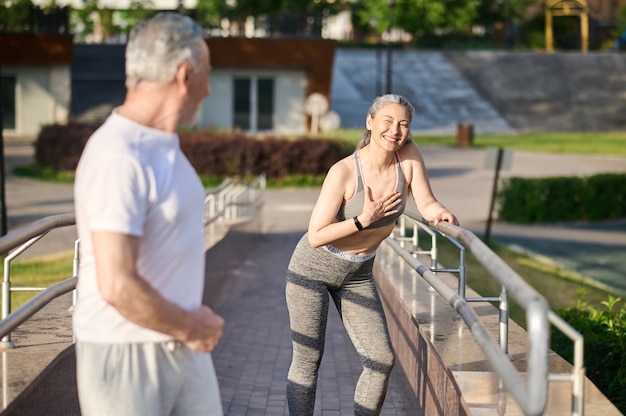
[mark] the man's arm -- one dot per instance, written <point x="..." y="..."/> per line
<point x="133" y="297"/>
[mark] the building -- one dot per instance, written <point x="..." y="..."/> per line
<point x="261" y="85"/>
<point x="257" y="85"/>
<point x="36" y="78"/>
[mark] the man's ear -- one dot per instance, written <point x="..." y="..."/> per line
<point x="182" y="75"/>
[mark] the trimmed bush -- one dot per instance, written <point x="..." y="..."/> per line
<point x="562" y="199"/>
<point x="212" y="153"/>
<point x="605" y="197"/>
<point x="59" y="147"/>
<point x="605" y="346"/>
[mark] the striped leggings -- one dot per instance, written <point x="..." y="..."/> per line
<point x="313" y="274"/>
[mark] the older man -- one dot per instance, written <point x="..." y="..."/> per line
<point x="143" y="336"/>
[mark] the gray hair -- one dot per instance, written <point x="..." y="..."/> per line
<point x="157" y="46"/>
<point x="377" y="104"/>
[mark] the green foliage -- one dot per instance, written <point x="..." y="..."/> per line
<point x="25" y="16"/>
<point x="583" y="143"/>
<point x="490" y="12"/>
<point x="136" y="12"/>
<point x="414" y="16"/>
<point x="604" y="332"/>
<point x="44" y="173"/>
<point x="15" y="15"/>
<point x="297" y="180"/>
<point x="562" y="199"/>
<point x="604" y="197"/>
<point x="211" y="152"/>
<point x="210" y="12"/>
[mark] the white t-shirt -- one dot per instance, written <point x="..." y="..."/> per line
<point x="135" y="180"/>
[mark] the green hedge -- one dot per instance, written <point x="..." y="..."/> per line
<point x="562" y="199"/>
<point x="211" y="152"/>
<point x="605" y="346"/>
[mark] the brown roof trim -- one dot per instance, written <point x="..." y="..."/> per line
<point x="36" y="49"/>
<point x="315" y="56"/>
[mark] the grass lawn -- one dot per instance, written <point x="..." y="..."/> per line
<point x="588" y="143"/>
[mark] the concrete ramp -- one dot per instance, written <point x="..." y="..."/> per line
<point x="550" y="92"/>
<point x="441" y="95"/>
<point x="496" y="91"/>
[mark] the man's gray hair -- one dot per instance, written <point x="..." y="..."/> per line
<point x="380" y="102"/>
<point x="157" y="46"/>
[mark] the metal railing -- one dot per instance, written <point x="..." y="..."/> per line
<point x="530" y="395"/>
<point x="231" y="201"/>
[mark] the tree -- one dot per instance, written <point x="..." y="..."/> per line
<point x="209" y="13"/>
<point x="508" y="12"/>
<point x="415" y="17"/>
<point x="424" y="16"/>
<point x="98" y="24"/>
<point x="24" y="16"/>
<point x="17" y="15"/>
<point x="137" y="11"/>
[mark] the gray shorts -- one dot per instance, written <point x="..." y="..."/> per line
<point x="146" y="379"/>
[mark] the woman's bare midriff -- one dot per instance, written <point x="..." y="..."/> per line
<point x="363" y="242"/>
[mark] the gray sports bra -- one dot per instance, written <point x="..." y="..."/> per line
<point x="354" y="206"/>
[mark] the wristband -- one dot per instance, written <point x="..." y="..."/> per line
<point x="358" y="224"/>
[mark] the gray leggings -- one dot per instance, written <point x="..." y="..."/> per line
<point x="312" y="275"/>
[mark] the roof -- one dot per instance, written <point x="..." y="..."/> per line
<point x="315" y="56"/>
<point x="36" y="49"/>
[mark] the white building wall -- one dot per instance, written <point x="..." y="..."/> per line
<point x="217" y="109"/>
<point x="289" y="97"/>
<point x="42" y="96"/>
<point x="290" y="93"/>
<point x="61" y="93"/>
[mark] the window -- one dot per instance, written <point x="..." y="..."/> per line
<point x="254" y="104"/>
<point x="242" y="103"/>
<point x="265" y="88"/>
<point x="8" y="102"/>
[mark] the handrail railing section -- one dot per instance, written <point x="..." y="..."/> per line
<point x="530" y="395"/>
<point x="230" y="202"/>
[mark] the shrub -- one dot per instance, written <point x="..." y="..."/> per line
<point x="605" y="351"/>
<point x="557" y="199"/>
<point x="58" y="147"/>
<point x="212" y="153"/>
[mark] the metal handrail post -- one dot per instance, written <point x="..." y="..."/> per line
<point x="75" y="266"/>
<point x="5" y="342"/>
<point x="434" y="253"/>
<point x="237" y="192"/>
<point x="577" y="378"/>
<point x="35" y="304"/>
<point x="503" y="309"/>
<point x="462" y="270"/>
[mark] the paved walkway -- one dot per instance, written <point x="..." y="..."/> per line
<point x="253" y="357"/>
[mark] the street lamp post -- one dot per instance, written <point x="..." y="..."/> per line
<point x="3" y="206"/>
<point x="391" y="4"/>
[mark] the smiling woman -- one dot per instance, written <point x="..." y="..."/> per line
<point x="362" y="196"/>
